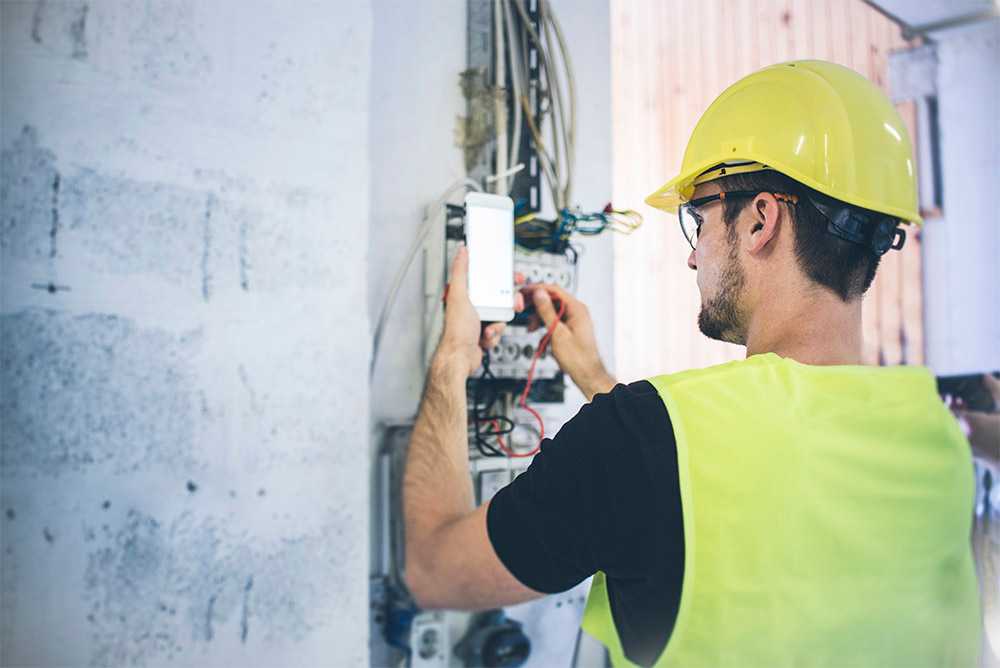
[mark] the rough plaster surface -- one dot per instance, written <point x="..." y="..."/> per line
<point x="183" y="375"/>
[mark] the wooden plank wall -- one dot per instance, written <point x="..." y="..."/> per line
<point x="670" y="59"/>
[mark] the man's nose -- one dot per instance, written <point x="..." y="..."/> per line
<point x="691" y="262"/>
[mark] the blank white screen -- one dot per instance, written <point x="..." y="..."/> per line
<point x="489" y="234"/>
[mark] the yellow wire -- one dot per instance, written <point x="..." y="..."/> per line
<point x="624" y="222"/>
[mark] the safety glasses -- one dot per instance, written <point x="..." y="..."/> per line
<point x="691" y="220"/>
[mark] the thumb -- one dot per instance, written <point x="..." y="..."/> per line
<point x="458" y="281"/>
<point x="544" y="306"/>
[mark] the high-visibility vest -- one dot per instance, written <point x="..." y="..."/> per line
<point x="827" y="516"/>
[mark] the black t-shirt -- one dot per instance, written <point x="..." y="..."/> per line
<point x="603" y="495"/>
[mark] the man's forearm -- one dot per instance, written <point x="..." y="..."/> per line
<point x="436" y="483"/>
<point x="598" y="381"/>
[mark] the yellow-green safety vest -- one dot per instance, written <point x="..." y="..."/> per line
<point x="827" y="516"/>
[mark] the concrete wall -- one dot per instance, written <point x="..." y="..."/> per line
<point x="184" y="318"/>
<point x="962" y="249"/>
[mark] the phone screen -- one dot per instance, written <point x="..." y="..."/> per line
<point x="489" y="233"/>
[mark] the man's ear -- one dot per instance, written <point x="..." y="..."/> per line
<point x="765" y="221"/>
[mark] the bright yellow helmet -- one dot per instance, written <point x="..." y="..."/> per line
<point x="822" y="124"/>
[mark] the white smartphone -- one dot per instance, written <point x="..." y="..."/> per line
<point x="489" y="235"/>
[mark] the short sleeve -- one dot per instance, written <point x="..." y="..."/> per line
<point x="589" y="498"/>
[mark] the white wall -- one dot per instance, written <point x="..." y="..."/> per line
<point x="418" y="50"/>
<point x="182" y="417"/>
<point x="962" y="250"/>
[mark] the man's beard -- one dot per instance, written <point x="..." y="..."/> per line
<point x="720" y="317"/>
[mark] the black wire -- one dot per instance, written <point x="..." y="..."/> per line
<point x="478" y="440"/>
<point x="503" y="431"/>
<point x="478" y="418"/>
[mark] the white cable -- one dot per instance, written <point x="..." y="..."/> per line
<point x="571" y="84"/>
<point x="555" y="96"/>
<point x="515" y="76"/>
<point x="560" y="132"/>
<point x="553" y="174"/>
<point x="383" y="318"/>
<point x="499" y="99"/>
<point x="509" y="172"/>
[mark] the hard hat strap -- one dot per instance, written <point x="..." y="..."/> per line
<point x="846" y="222"/>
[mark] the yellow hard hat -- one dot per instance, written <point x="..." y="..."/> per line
<point x="822" y="124"/>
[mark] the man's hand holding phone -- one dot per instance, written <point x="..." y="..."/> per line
<point x="464" y="336"/>
<point x="573" y="342"/>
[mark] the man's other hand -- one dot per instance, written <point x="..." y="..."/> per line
<point x="983" y="427"/>
<point x="573" y="342"/>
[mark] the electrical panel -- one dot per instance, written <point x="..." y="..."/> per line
<point x="511" y="357"/>
<point x="518" y="85"/>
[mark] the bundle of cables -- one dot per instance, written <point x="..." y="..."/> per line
<point x="552" y="125"/>
<point x="500" y="425"/>
<point x="484" y="422"/>
<point x="519" y="46"/>
<point x="553" y="236"/>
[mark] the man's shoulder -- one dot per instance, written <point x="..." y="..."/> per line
<point x="628" y="413"/>
<point x="624" y="398"/>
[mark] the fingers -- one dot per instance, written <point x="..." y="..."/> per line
<point x="544" y="307"/>
<point x="458" y="282"/>
<point x="518" y="302"/>
<point x="538" y="293"/>
<point x="494" y="330"/>
<point x="491" y="335"/>
<point x="554" y="291"/>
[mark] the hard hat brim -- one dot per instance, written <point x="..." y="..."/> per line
<point x="680" y="189"/>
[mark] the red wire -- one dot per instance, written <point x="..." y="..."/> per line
<point x="527" y="388"/>
<point x="496" y="427"/>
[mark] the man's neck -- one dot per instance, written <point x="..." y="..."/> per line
<point x="816" y="329"/>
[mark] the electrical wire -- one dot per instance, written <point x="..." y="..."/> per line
<point x="523" y="401"/>
<point x="560" y="131"/>
<point x="501" y="176"/>
<point x="534" y="233"/>
<point x="481" y="409"/>
<point x="462" y="184"/>
<point x="514" y="49"/>
<point x="558" y="153"/>
<point x="553" y="92"/>
<point x="570" y="138"/>
<point x="499" y="99"/>
<point x="552" y="173"/>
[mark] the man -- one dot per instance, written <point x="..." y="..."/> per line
<point x="792" y="508"/>
<point x="984" y="426"/>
